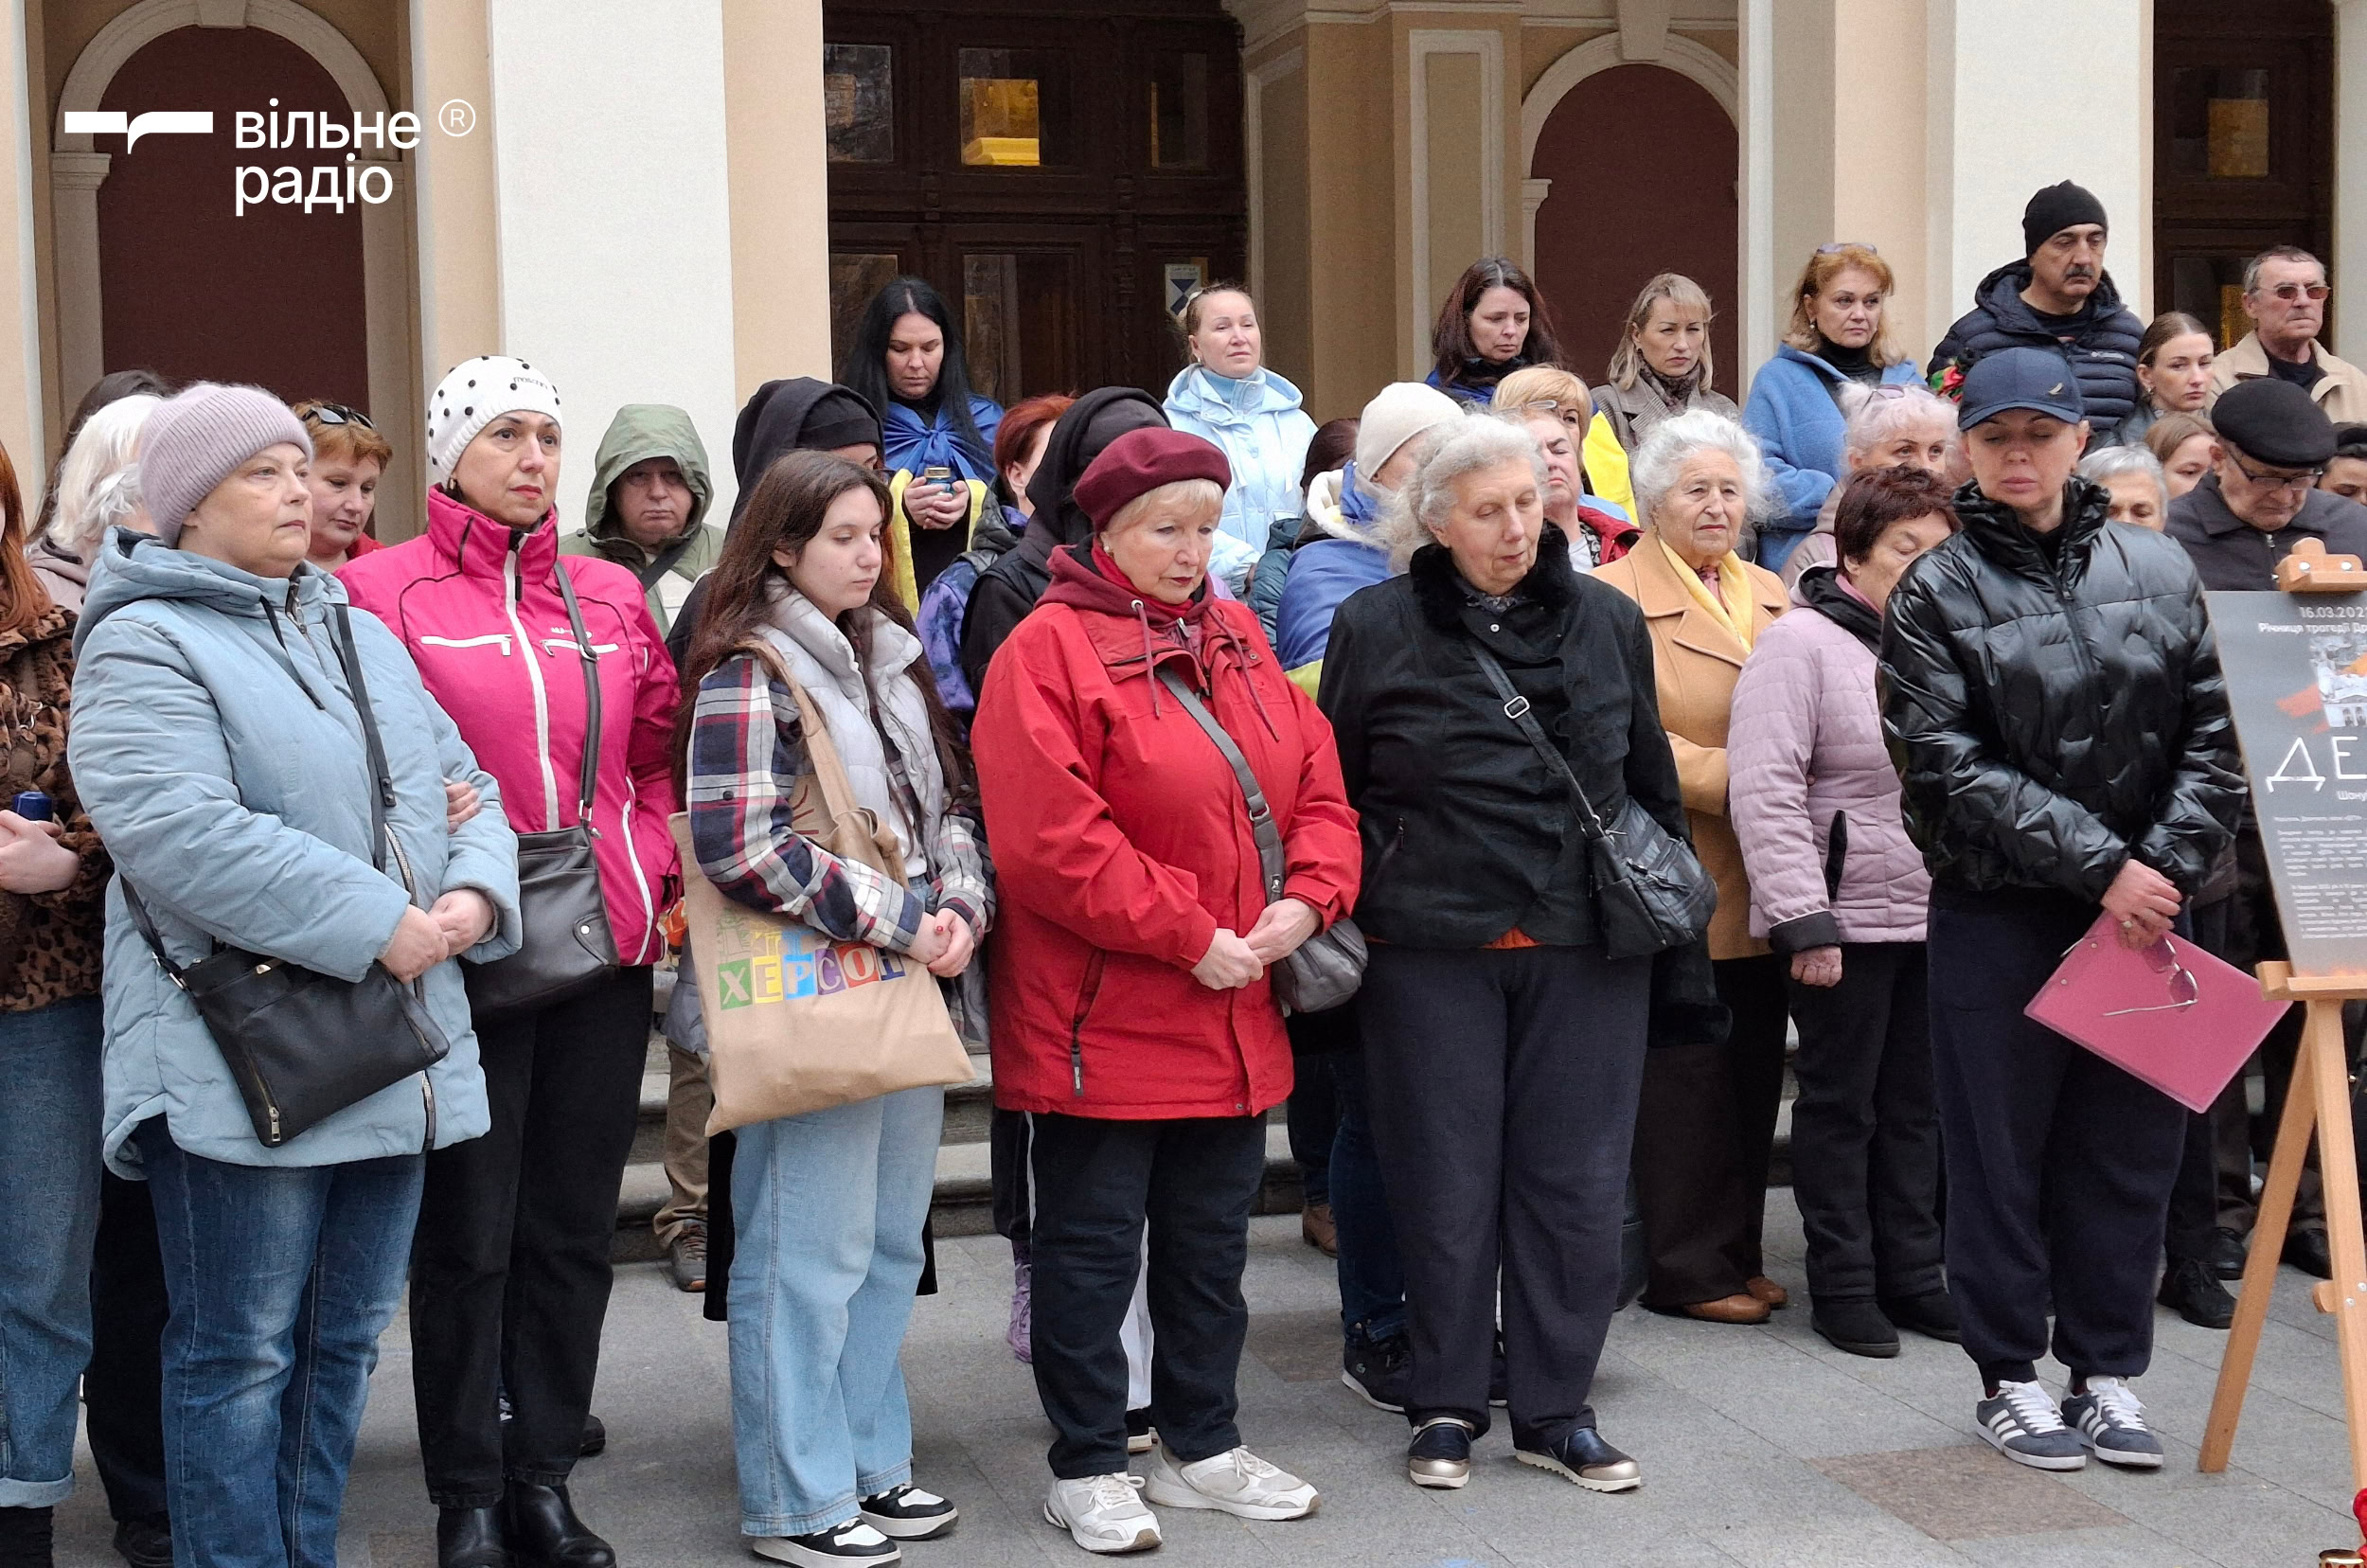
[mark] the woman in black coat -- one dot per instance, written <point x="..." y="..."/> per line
<point x="2053" y="692"/>
<point x="1503" y="1049"/>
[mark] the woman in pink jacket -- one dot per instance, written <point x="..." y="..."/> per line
<point x="1838" y="888"/>
<point x="509" y="1275"/>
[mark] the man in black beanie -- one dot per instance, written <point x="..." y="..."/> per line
<point x="2057" y="296"/>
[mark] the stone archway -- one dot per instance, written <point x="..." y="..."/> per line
<point x="79" y="172"/>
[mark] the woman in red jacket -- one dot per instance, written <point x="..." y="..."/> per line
<point x="509" y="1275"/>
<point x="1132" y="1014"/>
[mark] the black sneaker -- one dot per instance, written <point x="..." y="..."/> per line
<point x="1375" y="1370"/>
<point x="907" y="1513"/>
<point x="1585" y="1458"/>
<point x="1932" y="1315"/>
<point x="2192" y="1291"/>
<point x="1140" y="1436"/>
<point x="1854" y="1324"/>
<point x="851" y="1542"/>
<point x="1440" y="1456"/>
<point x="594" y="1438"/>
<point x="2228" y="1252"/>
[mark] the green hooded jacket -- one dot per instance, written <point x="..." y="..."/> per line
<point x="639" y="432"/>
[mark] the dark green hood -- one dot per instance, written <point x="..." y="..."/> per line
<point x="639" y="432"/>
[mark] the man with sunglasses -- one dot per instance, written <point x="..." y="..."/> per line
<point x="2285" y="294"/>
<point x="2258" y="501"/>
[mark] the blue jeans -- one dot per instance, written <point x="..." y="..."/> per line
<point x="828" y="1208"/>
<point x="1372" y="1280"/>
<point x="49" y="1140"/>
<point x="282" y="1280"/>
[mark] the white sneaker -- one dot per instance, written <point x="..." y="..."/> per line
<point x="1236" y="1482"/>
<point x="1102" y="1514"/>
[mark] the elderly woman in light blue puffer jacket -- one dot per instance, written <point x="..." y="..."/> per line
<point x="220" y="751"/>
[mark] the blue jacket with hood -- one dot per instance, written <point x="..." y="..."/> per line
<point x="221" y="756"/>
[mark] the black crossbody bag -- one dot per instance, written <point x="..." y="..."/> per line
<point x="1325" y="970"/>
<point x="302" y="1045"/>
<point x="569" y="947"/>
<point x="1650" y="893"/>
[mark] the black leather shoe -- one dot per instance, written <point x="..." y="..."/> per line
<point x="468" y="1538"/>
<point x="145" y="1542"/>
<point x="546" y="1533"/>
<point x="1932" y="1315"/>
<point x="1854" y="1326"/>
<point x="2308" y="1251"/>
<point x="2228" y="1252"/>
<point x="594" y="1438"/>
<point x="2195" y="1295"/>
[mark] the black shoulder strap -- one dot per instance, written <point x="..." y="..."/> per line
<point x="664" y="563"/>
<point x="591" y="695"/>
<point x="1517" y="709"/>
<point x="382" y="793"/>
<point x="1261" y="825"/>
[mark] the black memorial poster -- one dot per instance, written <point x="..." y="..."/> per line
<point x="2297" y="679"/>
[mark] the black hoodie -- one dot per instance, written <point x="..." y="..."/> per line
<point x="1010" y="588"/>
<point x="796" y="415"/>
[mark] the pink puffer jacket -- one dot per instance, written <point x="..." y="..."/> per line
<point x="478" y="607"/>
<point x="1805" y="749"/>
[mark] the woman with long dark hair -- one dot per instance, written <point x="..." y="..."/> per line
<point x="1492" y="322"/>
<point x="827" y="1207"/>
<point x="908" y="362"/>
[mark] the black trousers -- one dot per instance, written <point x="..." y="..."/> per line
<point x="1503" y="1086"/>
<point x="2059" y="1165"/>
<point x="1098" y="1182"/>
<point x="123" y="1388"/>
<point x="1704" y="1132"/>
<point x="509" y="1274"/>
<point x="1865" y="1137"/>
<point x="2207" y="1164"/>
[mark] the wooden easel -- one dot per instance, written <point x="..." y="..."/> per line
<point x="2317" y="1101"/>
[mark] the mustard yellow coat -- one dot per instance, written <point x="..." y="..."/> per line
<point x="1696" y="663"/>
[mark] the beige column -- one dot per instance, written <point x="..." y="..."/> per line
<point x="779" y="186"/>
<point x="2349" y="260"/>
<point x="396" y="401"/>
<point x="454" y="204"/>
<point x="21" y="402"/>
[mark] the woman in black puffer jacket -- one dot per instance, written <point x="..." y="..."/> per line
<point x="2052" y="694"/>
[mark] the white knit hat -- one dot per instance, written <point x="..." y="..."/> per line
<point x="1401" y="411"/>
<point x="472" y="394"/>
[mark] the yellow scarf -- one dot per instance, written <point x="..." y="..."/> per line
<point x="1732" y="606"/>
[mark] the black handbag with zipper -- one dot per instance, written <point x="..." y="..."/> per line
<point x="1650" y="892"/>
<point x="302" y="1045"/>
<point x="569" y="947"/>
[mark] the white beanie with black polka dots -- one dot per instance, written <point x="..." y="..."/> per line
<point x="475" y="393"/>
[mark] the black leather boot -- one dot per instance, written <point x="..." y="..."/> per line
<point x="470" y="1538"/>
<point x="546" y="1533"/>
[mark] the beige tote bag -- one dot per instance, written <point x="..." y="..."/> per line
<point x="794" y="1020"/>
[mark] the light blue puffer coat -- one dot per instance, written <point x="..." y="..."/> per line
<point x="1263" y="434"/>
<point x="221" y="756"/>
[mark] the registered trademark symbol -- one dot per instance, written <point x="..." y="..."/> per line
<point x="457" y="117"/>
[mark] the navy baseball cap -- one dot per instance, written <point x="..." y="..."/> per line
<point x="2039" y="380"/>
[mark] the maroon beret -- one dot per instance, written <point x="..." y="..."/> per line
<point x="1142" y="460"/>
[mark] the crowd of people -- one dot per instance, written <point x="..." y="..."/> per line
<point x="1603" y="735"/>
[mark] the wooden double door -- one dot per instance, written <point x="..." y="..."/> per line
<point x="1060" y="172"/>
<point x="2243" y="147"/>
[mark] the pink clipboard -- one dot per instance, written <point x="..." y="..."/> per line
<point x="2170" y="1015"/>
